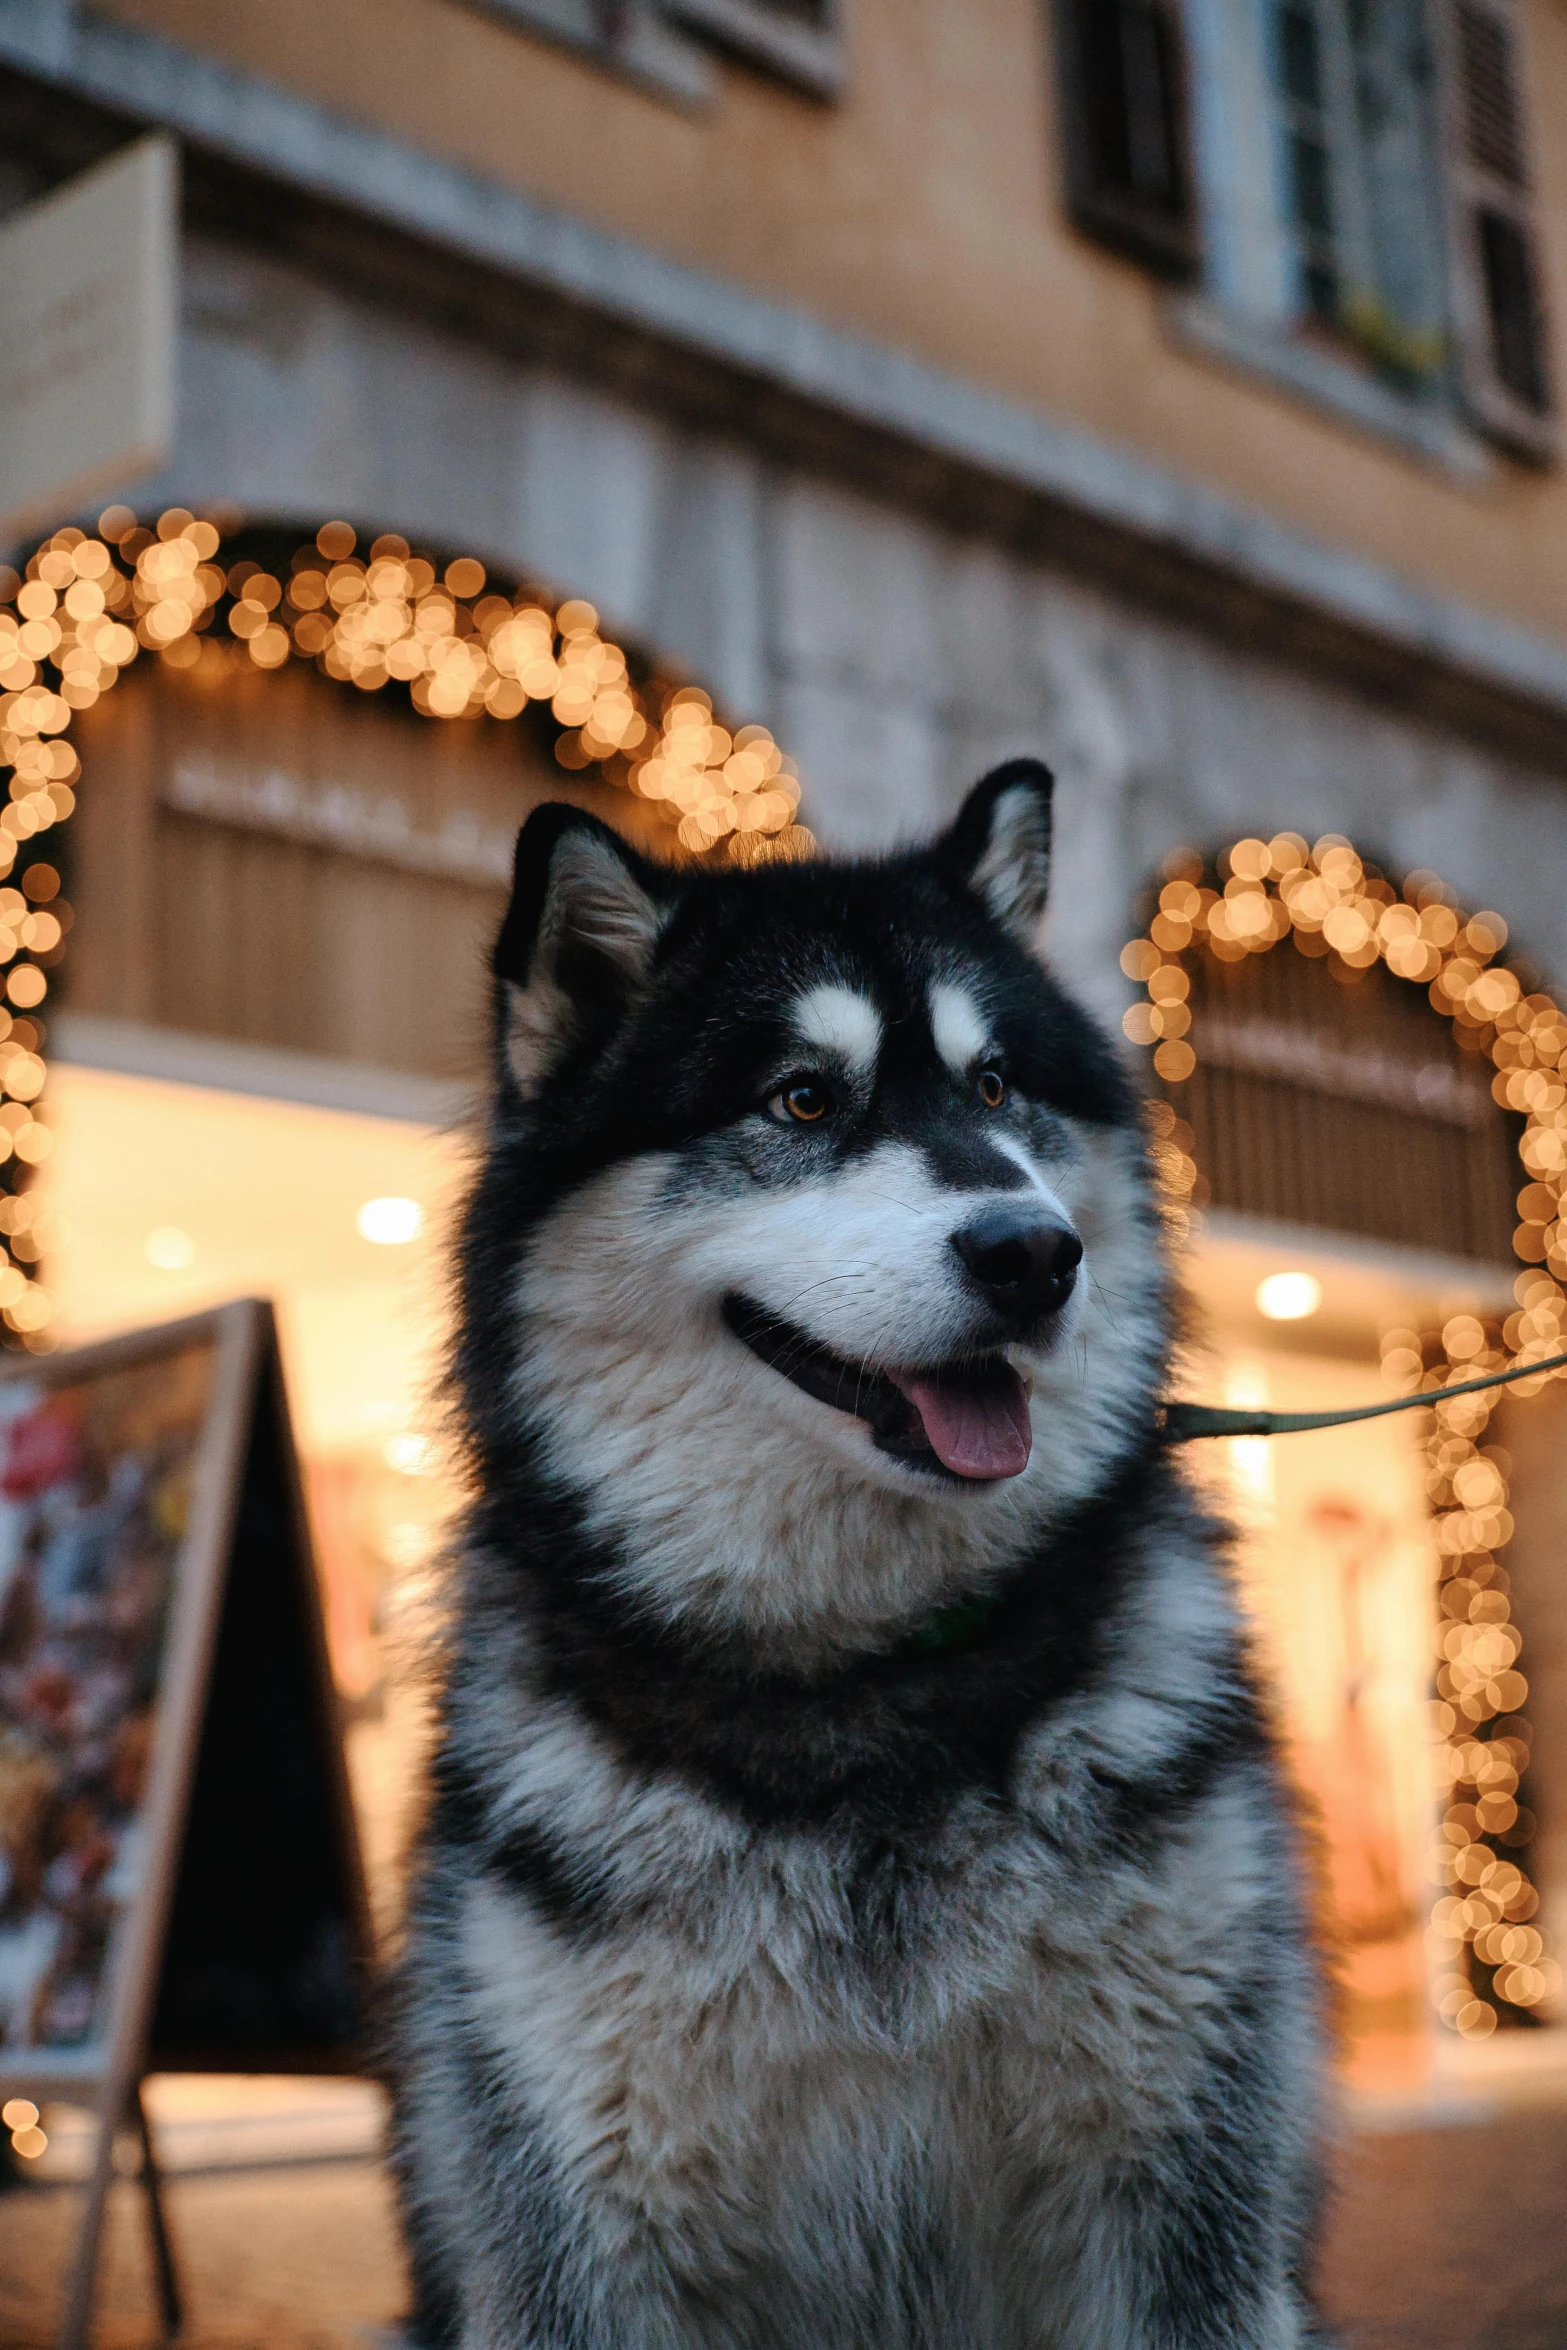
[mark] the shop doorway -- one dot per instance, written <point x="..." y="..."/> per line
<point x="177" y="1196"/>
<point x="1357" y="1126"/>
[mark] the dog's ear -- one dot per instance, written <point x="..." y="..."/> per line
<point x="578" y="939"/>
<point x="999" y="845"/>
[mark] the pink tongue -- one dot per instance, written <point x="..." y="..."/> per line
<point x="976" y="1428"/>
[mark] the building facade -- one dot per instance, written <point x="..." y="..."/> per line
<point x="1167" y="389"/>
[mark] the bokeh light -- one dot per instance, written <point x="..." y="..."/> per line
<point x="391" y="1223"/>
<point x="170" y="1249"/>
<point x="1289" y="1297"/>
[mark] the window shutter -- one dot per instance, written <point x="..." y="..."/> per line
<point x="1122" y="73"/>
<point x="799" y="40"/>
<point x="1499" y="319"/>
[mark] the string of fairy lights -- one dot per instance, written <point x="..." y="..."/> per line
<point x="1328" y="901"/>
<point x="460" y="646"/>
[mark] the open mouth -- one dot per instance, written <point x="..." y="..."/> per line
<point x="961" y="1419"/>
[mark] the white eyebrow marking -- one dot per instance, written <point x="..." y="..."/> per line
<point x="839" y="1020"/>
<point x="957" y="1025"/>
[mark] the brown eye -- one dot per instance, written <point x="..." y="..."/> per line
<point x="805" y="1103"/>
<point x="992" y="1091"/>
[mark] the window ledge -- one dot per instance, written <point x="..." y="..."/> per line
<point x="808" y="55"/>
<point x="1335" y="386"/>
<point x="647" y="52"/>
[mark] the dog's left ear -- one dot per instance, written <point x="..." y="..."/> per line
<point x="578" y="940"/>
<point x="999" y="845"/>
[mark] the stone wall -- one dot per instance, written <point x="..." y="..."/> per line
<point x="893" y="658"/>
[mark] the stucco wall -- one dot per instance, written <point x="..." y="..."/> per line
<point x="925" y="212"/>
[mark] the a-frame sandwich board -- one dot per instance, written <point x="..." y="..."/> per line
<point x="185" y="1877"/>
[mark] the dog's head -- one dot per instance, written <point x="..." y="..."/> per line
<point x="814" y="1248"/>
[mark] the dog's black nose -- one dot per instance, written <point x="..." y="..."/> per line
<point x="1025" y="1263"/>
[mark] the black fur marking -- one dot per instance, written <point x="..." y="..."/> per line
<point x="559" y="1886"/>
<point x="969" y="1161"/>
<point x="884" y="1740"/>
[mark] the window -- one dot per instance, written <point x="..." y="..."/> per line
<point x="1356" y="107"/>
<point x="798" y="39"/>
<point x="666" y="44"/>
<point x="630" y="37"/>
<point x="1123" y="85"/>
<point x="1350" y="180"/>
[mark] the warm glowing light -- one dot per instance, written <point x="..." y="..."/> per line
<point x="390" y="1222"/>
<point x="409" y="1545"/>
<point x="1289" y="1297"/>
<point x="30" y="2142"/>
<point x="410" y="1456"/>
<point x="170" y="1249"/>
<point x="18" y="2113"/>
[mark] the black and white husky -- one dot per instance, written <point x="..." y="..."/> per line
<point x="859" y="1909"/>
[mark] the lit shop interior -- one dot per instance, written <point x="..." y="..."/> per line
<point x="291" y="764"/>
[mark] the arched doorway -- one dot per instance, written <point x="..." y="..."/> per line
<point x="1359" y="1122"/>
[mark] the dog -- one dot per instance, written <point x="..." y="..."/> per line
<point x="860" y="1908"/>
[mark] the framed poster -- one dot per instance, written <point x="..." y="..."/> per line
<point x="180" y="1882"/>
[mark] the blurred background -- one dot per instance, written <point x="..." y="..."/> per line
<point x="751" y="418"/>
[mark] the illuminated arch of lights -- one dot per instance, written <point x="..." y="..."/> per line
<point x="1329" y="901"/>
<point x="92" y="604"/>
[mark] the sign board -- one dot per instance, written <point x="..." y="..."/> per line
<point x="88" y="279"/>
<point x="180" y="1882"/>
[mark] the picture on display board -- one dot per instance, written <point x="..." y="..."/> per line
<point x="97" y="1477"/>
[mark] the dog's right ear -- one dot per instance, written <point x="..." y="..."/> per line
<point x="999" y="845"/>
<point x="578" y="939"/>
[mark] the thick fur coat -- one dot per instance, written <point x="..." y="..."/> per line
<point x="859" y="1909"/>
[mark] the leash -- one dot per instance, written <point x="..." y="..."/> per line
<point x="963" y="1621"/>
<point x="1183" y="1421"/>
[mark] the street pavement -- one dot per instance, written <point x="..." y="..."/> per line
<point x="302" y="2256"/>
<point x="1452" y="2238"/>
<point x="1441" y="2238"/>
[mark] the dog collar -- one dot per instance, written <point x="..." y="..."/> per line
<point x="957" y="1625"/>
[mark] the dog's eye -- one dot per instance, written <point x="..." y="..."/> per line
<point x="992" y="1088"/>
<point x="802" y="1103"/>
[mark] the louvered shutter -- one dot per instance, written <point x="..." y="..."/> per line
<point x="1499" y="318"/>
<point x="798" y="39"/>
<point x="1122" y="78"/>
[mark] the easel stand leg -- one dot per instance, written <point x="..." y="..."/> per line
<point x="77" y="2321"/>
<point x="76" y="2326"/>
<point x="158" y="2226"/>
